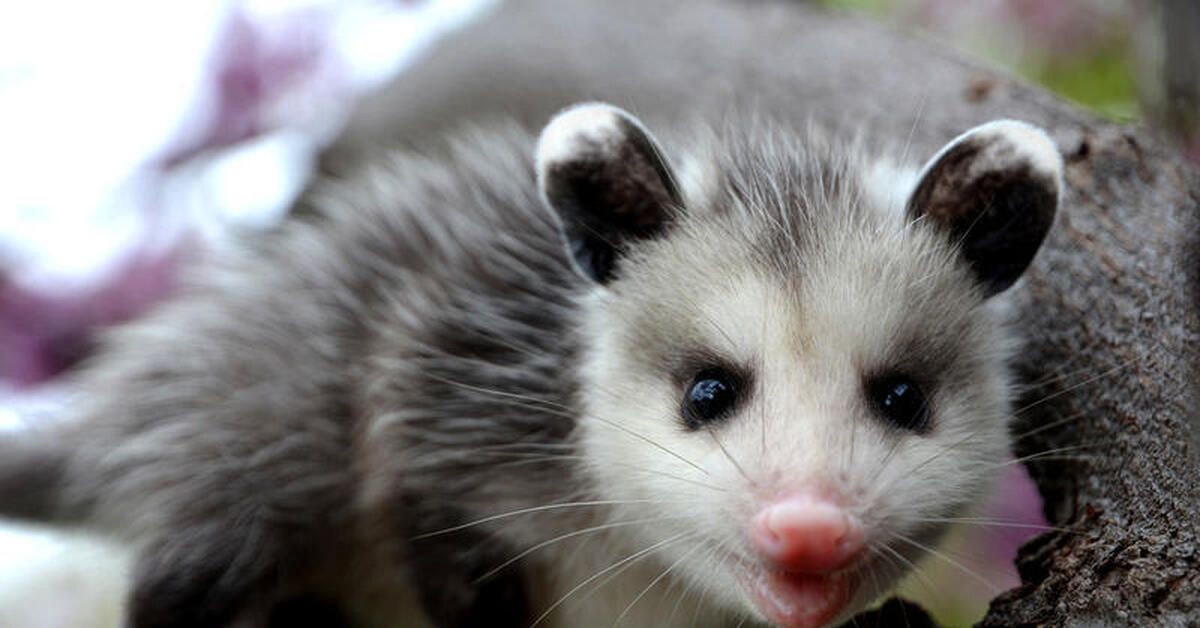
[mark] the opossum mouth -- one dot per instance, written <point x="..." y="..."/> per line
<point x="798" y="600"/>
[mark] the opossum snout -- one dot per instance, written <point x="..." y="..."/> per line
<point x="804" y="533"/>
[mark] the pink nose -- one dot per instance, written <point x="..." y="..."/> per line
<point x="805" y="534"/>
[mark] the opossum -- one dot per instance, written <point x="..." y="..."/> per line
<point x="739" y="374"/>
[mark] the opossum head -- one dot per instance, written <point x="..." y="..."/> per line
<point x="792" y="387"/>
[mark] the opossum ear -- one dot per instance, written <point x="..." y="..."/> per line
<point x="994" y="190"/>
<point x="604" y="175"/>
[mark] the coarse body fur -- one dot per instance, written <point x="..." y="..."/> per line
<point x="311" y="399"/>
<point x="413" y="351"/>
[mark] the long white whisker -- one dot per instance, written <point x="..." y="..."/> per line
<point x="1047" y="426"/>
<point x="532" y="509"/>
<point x="933" y="552"/>
<point x="534" y="458"/>
<point x="1064" y="391"/>
<point x="1048" y="454"/>
<point x="534" y="403"/>
<point x="624" y="561"/>
<point x="912" y="567"/>
<point x="730" y="457"/>
<point x="687" y="589"/>
<point x="655" y="581"/>
<point x="568" y="535"/>
<point x="996" y="523"/>
<point x="652" y="442"/>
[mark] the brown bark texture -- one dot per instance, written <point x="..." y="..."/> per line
<point x="1107" y="419"/>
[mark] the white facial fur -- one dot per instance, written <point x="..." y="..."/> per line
<point x="797" y="266"/>
<point x="806" y="423"/>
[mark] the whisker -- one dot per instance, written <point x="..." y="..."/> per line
<point x="655" y="581"/>
<point x="945" y="449"/>
<point x="981" y="521"/>
<point x="535" y="403"/>
<point x="673" y="477"/>
<point x="526" y="456"/>
<point x="1060" y="374"/>
<point x="666" y="595"/>
<point x="1048" y="453"/>
<point x="532" y="509"/>
<point x="679" y="602"/>
<point x="696" y="610"/>
<point x="520" y="445"/>
<point x="729" y="456"/>
<point x="652" y="442"/>
<point x="912" y="567"/>
<point x="624" y="561"/>
<point x="893" y="449"/>
<point x="933" y="552"/>
<point x="1046" y="458"/>
<point x="569" y="535"/>
<point x="705" y="563"/>
<point x="1051" y="425"/>
<point x="871" y="572"/>
<point x="534" y="458"/>
<point x="1068" y="389"/>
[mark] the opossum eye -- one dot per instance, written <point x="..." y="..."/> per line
<point x="900" y="402"/>
<point x="711" y="395"/>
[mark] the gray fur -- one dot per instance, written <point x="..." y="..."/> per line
<point x="32" y="473"/>
<point x="396" y="358"/>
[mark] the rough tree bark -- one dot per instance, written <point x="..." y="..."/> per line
<point x="1109" y="309"/>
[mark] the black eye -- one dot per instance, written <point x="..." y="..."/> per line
<point x="900" y="401"/>
<point x="711" y="395"/>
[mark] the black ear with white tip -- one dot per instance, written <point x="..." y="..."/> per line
<point x="605" y="176"/>
<point x="995" y="191"/>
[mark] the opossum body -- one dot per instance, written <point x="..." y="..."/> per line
<point x="572" y="380"/>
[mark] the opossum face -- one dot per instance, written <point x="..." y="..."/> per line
<point x="792" y="388"/>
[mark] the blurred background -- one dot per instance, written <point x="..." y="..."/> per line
<point x="1128" y="60"/>
<point x="138" y="134"/>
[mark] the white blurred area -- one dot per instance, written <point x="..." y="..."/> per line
<point x="130" y="126"/>
<point x="129" y="121"/>
<point x="53" y="580"/>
